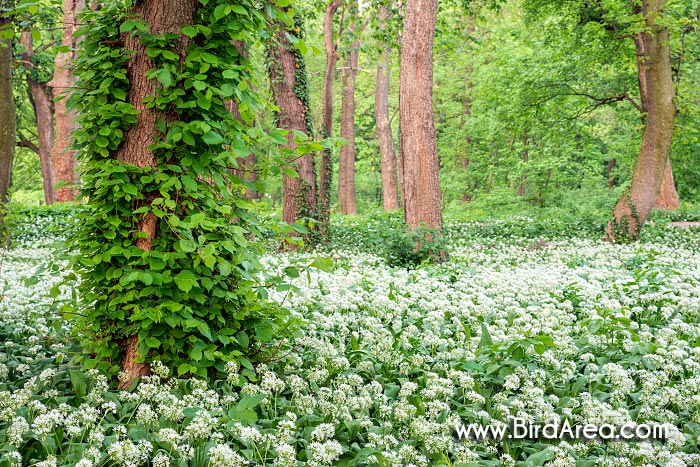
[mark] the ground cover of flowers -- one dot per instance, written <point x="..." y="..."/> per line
<point x="388" y="360"/>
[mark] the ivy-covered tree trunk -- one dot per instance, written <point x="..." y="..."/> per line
<point x="246" y="165"/>
<point x="657" y="92"/>
<point x="162" y="17"/>
<point x="390" y="185"/>
<point x="41" y="99"/>
<point x="289" y="87"/>
<point x="324" y="191"/>
<point x="7" y="113"/>
<point x="62" y="154"/>
<point x="347" y="198"/>
<point x="421" y="187"/>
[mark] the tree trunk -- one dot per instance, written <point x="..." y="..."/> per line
<point x="7" y="115"/>
<point x="163" y="17"/>
<point x="668" y="198"/>
<point x="324" y="191"/>
<point x="612" y="163"/>
<point x="288" y="80"/>
<point x="421" y="187"/>
<point x="347" y="199"/>
<point x="63" y="82"/>
<point x="657" y="93"/>
<point x="246" y="165"/>
<point x="42" y="101"/>
<point x="390" y="188"/>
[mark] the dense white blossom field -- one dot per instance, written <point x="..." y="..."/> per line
<point x="388" y="361"/>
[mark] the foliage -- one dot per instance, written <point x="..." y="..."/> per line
<point x="196" y="300"/>
<point x="574" y="330"/>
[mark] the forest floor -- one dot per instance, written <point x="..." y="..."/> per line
<point x="390" y="360"/>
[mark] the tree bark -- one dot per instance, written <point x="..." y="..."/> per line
<point x="347" y="199"/>
<point x="62" y="155"/>
<point x="41" y="99"/>
<point x="421" y="187"/>
<point x="291" y="97"/>
<point x="668" y="198"/>
<point x="324" y="191"/>
<point x="163" y="17"/>
<point x="390" y="188"/>
<point x="657" y="91"/>
<point x="7" y="115"/>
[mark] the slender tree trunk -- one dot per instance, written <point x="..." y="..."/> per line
<point x="288" y="79"/>
<point x="390" y="189"/>
<point x="525" y="159"/>
<point x="668" y="198"/>
<point x="346" y="171"/>
<point x="134" y="150"/>
<point x="421" y="185"/>
<point x="657" y="93"/>
<point x="62" y="155"/>
<point x="326" y="158"/>
<point x="41" y="99"/>
<point x="7" y="114"/>
<point x="612" y="163"/>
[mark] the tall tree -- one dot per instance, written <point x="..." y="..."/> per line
<point x="390" y="193"/>
<point x="347" y="198"/>
<point x="331" y="47"/>
<point x="136" y="148"/>
<point x="657" y="92"/>
<point x="62" y="154"/>
<point x="419" y="157"/>
<point x="41" y="98"/>
<point x="289" y="87"/>
<point x="7" y="106"/>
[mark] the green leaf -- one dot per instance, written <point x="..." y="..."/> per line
<point x="486" y="339"/>
<point x="164" y="77"/>
<point x="189" y="31"/>
<point x="152" y="342"/>
<point x="185" y="280"/>
<point x="212" y="138"/>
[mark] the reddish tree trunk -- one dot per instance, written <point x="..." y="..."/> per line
<point x="324" y="191"/>
<point x="63" y="81"/>
<point x="390" y="189"/>
<point x="163" y="16"/>
<point x="657" y="93"/>
<point x="299" y="192"/>
<point x="42" y="101"/>
<point x="7" y="116"/>
<point x="421" y="188"/>
<point x="347" y="199"/>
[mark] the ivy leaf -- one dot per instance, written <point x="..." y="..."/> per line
<point x="212" y="138"/>
<point x="185" y="280"/>
<point x="164" y="77"/>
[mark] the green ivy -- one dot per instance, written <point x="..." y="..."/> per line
<point x="197" y="299"/>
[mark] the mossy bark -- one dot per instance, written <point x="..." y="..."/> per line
<point x="7" y="115"/>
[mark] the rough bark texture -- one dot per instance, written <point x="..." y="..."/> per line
<point x="390" y="188"/>
<point x="246" y="165"/>
<point x="421" y="188"/>
<point x="290" y="97"/>
<point x="668" y="198"/>
<point x="347" y="199"/>
<point x="163" y="16"/>
<point x="657" y="92"/>
<point x="324" y="192"/>
<point x="63" y="82"/>
<point x="42" y="101"/>
<point x="7" y="117"/>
